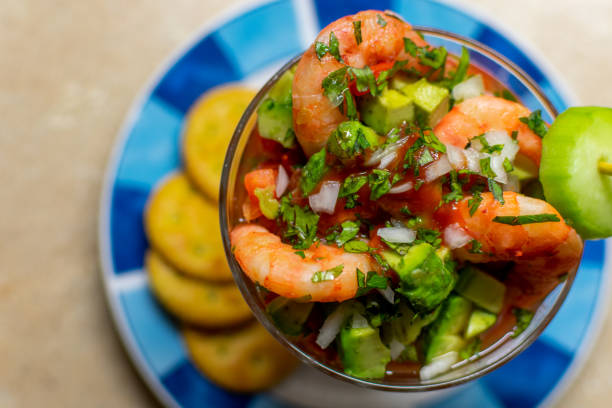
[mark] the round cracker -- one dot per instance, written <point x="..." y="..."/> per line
<point x="196" y="301"/>
<point x="184" y="228"/>
<point x="247" y="360"/>
<point x="208" y="129"/>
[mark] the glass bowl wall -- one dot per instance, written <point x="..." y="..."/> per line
<point x="232" y="195"/>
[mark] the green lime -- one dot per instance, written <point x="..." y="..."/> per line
<point x="573" y="169"/>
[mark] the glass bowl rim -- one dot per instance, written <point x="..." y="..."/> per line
<point x="260" y="314"/>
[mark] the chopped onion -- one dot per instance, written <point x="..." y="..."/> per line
<point x="396" y="348"/>
<point x="530" y="205"/>
<point x="497" y="165"/>
<point x="282" y="181"/>
<point x="473" y="160"/>
<point x="512" y="184"/>
<point x="332" y="325"/>
<point x="438" y="365"/>
<point x="456" y="237"/>
<point x="387" y="159"/>
<point x="358" y="321"/>
<point x="470" y="88"/>
<point x="325" y="199"/>
<point x="401" y="188"/>
<point x="378" y="155"/>
<point x="438" y="168"/>
<point x="398" y="235"/>
<point x="388" y="294"/>
<point x="456" y="157"/>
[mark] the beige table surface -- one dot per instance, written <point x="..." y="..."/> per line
<point x="69" y="70"/>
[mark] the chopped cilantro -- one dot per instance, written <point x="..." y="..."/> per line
<point x="301" y="254"/>
<point x="462" y="67"/>
<point x="352" y="184"/>
<point x="514" y="135"/>
<point x="333" y="48"/>
<point x="456" y="192"/>
<point x="381" y="21"/>
<point x="428" y="56"/>
<point x="348" y="231"/>
<point x="429" y="236"/>
<point x="425" y="158"/>
<point x="486" y="147"/>
<point x="379" y="183"/>
<point x="357" y="30"/>
<point x="383" y="264"/>
<point x="496" y="189"/>
<point x="313" y="171"/>
<point x="526" y="219"/>
<point x="410" y="47"/>
<point x="370" y="281"/>
<point x="364" y="79"/>
<point x="301" y="224"/>
<point x="473" y="347"/>
<point x="406" y="211"/>
<point x="356" y="246"/>
<point x="485" y="168"/>
<point x="330" y="274"/>
<point x="335" y="85"/>
<point x="474" y="202"/>
<point x="523" y="318"/>
<point x="535" y="122"/>
<point x="476" y="247"/>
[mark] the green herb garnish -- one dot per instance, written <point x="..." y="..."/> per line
<point x="485" y="168"/>
<point x="476" y="247"/>
<point x="328" y="275"/>
<point x="313" y="171"/>
<point x="333" y="48"/>
<point x="356" y="246"/>
<point x="301" y="254"/>
<point x="474" y="202"/>
<point x="526" y="219"/>
<point x="508" y="166"/>
<point x="535" y="122"/>
<point x="379" y="183"/>
<point x="301" y="224"/>
<point x="381" y="21"/>
<point x="348" y="231"/>
<point x="496" y="189"/>
<point x="523" y="318"/>
<point x="371" y="281"/>
<point x="357" y="31"/>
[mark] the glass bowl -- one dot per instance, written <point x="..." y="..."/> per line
<point x="232" y="194"/>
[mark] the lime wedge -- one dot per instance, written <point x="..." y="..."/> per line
<point x="576" y="152"/>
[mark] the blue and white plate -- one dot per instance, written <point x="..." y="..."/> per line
<point x="249" y="44"/>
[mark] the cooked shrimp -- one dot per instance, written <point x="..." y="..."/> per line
<point x="542" y="252"/>
<point x="475" y="116"/>
<point x="314" y="116"/>
<point x="277" y="267"/>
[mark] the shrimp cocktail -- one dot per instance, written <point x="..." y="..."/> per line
<point x="392" y="215"/>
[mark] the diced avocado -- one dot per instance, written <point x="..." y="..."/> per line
<point x="400" y="80"/>
<point x="289" y="316"/>
<point x="407" y="326"/>
<point x="387" y="110"/>
<point x="409" y="354"/>
<point x="425" y="279"/>
<point x="267" y="203"/>
<point x="481" y="288"/>
<point x="352" y="138"/>
<point x="275" y="114"/>
<point x="479" y="322"/>
<point x="431" y="101"/>
<point x="472" y="347"/>
<point x="445" y="332"/>
<point x="275" y="122"/>
<point x="362" y="353"/>
<point x="281" y="91"/>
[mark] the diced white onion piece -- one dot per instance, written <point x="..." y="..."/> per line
<point x="456" y="157"/>
<point x="438" y="365"/>
<point x="470" y="88"/>
<point x="438" y="168"/>
<point x="398" y="235"/>
<point x="387" y="159"/>
<point x="473" y="160"/>
<point x="530" y="205"/>
<point x="388" y="294"/>
<point x="282" y="181"/>
<point x="456" y="237"/>
<point x="378" y="155"/>
<point x="358" y="321"/>
<point x="396" y="348"/>
<point x="325" y="199"/>
<point x="332" y="325"/>
<point x="495" y="137"/>
<point x="401" y="188"/>
<point x="512" y="184"/>
<point x="497" y="165"/>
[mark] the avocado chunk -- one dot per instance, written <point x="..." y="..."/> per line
<point x="275" y="114"/>
<point x="431" y="101"/>
<point x="289" y="316"/>
<point x="425" y="279"/>
<point x="400" y="80"/>
<point x="445" y="333"/>
<point x="480" y="321"/>
<point x="407" y="326"/>
<point x="481" y="288"/>
<point x="352" y="138"/>
<point x="387" y="110"/>
<point x="362" y="353"/>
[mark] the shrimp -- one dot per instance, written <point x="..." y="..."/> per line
<point x="279" y="268"/>
<point x="478" y="115"/>
<point x="314" y="116"/>
<point x="542" y="252"/>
